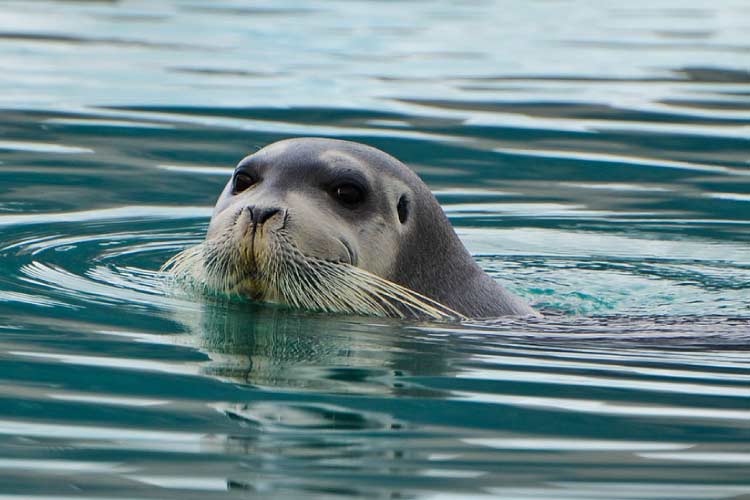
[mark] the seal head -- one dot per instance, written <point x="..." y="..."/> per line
<point x="339" y="226"/>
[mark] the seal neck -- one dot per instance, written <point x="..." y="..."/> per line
<point x="435" y="263"/>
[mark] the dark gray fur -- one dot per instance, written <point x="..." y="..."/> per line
<point x="431" y="259"/>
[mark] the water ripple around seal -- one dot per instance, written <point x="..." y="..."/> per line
<point x="641" y="383"/>
<point x="367" y="389"/>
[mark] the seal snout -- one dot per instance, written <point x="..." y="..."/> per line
<point x="259" y="215"/>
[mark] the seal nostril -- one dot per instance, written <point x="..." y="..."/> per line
<point x="259" y="215"/>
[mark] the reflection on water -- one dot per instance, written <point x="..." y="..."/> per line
<point x="597" y="166"/>
<point x="273" y="347"/>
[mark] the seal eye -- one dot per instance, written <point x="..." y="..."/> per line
<point x="402" y="208"/>
<point x="241" y="182"/>
<point x="349" y="195"/>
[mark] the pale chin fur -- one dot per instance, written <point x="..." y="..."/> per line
<point x="274" y="269"/>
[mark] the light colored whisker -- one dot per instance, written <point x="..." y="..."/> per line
<point x="288" y="276"/>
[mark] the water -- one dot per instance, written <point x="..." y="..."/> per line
<point x="593" y="156"/>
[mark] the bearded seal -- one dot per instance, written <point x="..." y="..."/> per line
<point x="340" y="227"/>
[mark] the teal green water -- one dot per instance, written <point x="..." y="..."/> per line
<point x="594" y="157"/>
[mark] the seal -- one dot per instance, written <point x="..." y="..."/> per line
<point x="340" y="227"/>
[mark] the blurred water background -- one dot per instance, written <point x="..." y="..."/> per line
<point x="594" y="156"/>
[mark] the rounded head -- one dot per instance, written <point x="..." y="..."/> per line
<point x="340" y="201"/>
<point x="344" y="227"/>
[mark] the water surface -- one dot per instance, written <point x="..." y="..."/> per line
<point x="593" y="157"/>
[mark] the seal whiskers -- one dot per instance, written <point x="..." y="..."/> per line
<point x="337" y="287"/>
<point x="290" y="277"/>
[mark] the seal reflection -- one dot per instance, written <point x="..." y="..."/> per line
<point x="325" y="386"/>
<point x="274" y="346"/>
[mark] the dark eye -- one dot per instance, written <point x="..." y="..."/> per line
<point x="241" y="182"/>
<point x="402" y="208"/>
<point x="349" y="195"/>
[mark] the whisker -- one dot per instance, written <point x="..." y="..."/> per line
<point x="290" y="277"/>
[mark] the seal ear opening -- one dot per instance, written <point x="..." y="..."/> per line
<point x="402" y="208"/>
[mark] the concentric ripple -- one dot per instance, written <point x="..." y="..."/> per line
<point x="101" y="271"/>
<point x="315" y="395"/>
